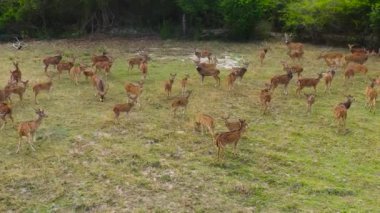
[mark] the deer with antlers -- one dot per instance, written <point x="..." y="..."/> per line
<point x="168" y="84"/>
<point x="356" y="49"/>
<point x="137" y="60"/>
<point x="181" y="102"/>
<point x="52" y="60"/>
<point x="231" y="137"/>
<point x="28" y="129"/>
<point x="332" y="59"/>
<point x="204" y="71"/>
<point x="5" y="110"/>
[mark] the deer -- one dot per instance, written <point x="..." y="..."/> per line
<point x="5" y="110"/>
<point x="46" y="86"/>
<point x="144" y="69"/>
<point x="105" y="66"/>
<point x="310" y="99"/>
<point x="52" y="60"/>
<point x="184" y="83"/>
<point x="18" y="89"/>
<point x="295" y="54"/>
<point x="262" y="54"/>
<point x="293" y="45"/>
<point x="28" y="129"/>
<point x="294" y="68"/>
<point x="308" y="82"/>
<point x="359" y="58"/>
<point x="281" y="79"/>
<point x="125" y="107"/>
<point x="168" y="84"/>
<point x="332" y="59"/>
<point x="203" y="54"/>
<point x="204" y="121"/>
<point x="203" y="71"/>
<point x="100" y="86"/>
<point x="240" y="71"/>
<point x="328" y="77"/>
<point x="134" y="89"/>
<point x="64" y="65"/>
<point x="265" y="98"/>
<point x="230" y="124"/>
<point x="137" y="60"/>
<point x="5" y="95"/>
<point x="348" y="73"/>
<point x="371" y="95"/>
<point x="231" y="137"/>
<point x="15" y="74"/>
<point x="88" y="73"/>
<point x="340" y="111"/>
<point x="356" y="49"/>
<point x="181" y="102"/>
<point x="357" y="68"/>
<point x="231" y="78"/>
<point x="75" y="72"/>
<point x="100" y="58"/>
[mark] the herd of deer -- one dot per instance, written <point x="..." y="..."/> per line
<point x="352" y="63"/>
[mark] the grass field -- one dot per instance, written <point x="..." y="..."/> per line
<point x="151" y="161"/>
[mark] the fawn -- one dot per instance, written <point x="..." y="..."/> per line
<point x="340" y="111"/>
<point x="184" y="83"/>
<point x="231" y="137"/>
<point x="169" y="84"/>
<point x="371" y="95"/>
<point x="204" y="121"/>
<point x="46" y="86"/>
<point x="5" y="110"/>
<point x="181" y="102"/>
<point x="310" y="99"/>
<point x="262" y="54"/>
<point x="28" y="129"/>
<point x="328" y="76"/>
<point x="100" y="86"/>
<point x="75" y="73"/>
<point x="15" y="74"/>
<point x="265" y="98"/>
<point x="231" y="78"/>
<point x="62" y="65"/>
<point x="144" y="69"/>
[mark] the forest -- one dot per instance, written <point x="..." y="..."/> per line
<point x="310" y="20"/>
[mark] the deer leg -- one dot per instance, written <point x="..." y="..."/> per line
<point x="35" y="97"/>
<point x="4" y="122"/>
<point x="235" y="144"/>
<point x="46" y="67"/>
<point x="30" y="142"/>
<point x="286" y="89"/>
<point x="19" y="144"/>
<point x="202" y="79"/>
<point x="217" y="80"/>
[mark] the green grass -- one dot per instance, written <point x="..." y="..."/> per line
<point x="151" y="161"/>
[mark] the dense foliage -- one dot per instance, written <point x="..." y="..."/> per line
<point x="244" y="19"/>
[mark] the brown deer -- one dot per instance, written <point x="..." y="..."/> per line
<point x="184" y="82"/>
<point x="100" y="86"/>
<point x="144" y="69"/>
<point x="204" y="121"/>
<point x="18" y="89"/>
<point x="137" y="60"/>
<point x="371" y="95"/>
<point x="231" y="137"/>
<point x="328" y="77"/>
<point x="262" y="54"/>
<point x="240" y="71"/>
<point x="308" y="82"/>
<point x="357" y="68"/>
<point x="293" y="68"/>
<point x="310" y="99"/>
<point x="356" y="49"/>
<point x="134" y="89"/>
<point x="295" y="54"/>
<point x="5" y="95"/>
<point x="15" y="74"/>
<point x="203" y="54"/>
<point x="359" y="58"/>
<point x="204" y="71"/>
<point x="332" y="59"/>
<point x="64" y="66"/>
<point x="181" y="102"/>
<point x="105" y="66"/>
<point x="75" y="72"/>
<point x="88" y="73"/>
<point x="53" y="60"/>
<point x="293" y="45"/>
<point x="46" y="86"/>
<point x="230" y="124"/>
<point x="348" y="73"/>
<point x="265" y="98"/>
<point x="281" y="79"/>
<point x="231" y="78"/>
<point x="168" y="84"/>
<point x="28" y="129"/>
<point x="126" y="107"/>
<point x="5" y="110"/>
<point x="340" y="111"/>
<point x="99" y="58"/>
